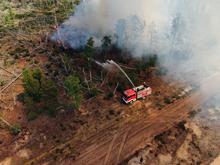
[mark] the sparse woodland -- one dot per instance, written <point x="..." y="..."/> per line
<point x="50" y="80"/>
<point x="54" y="98"/>
<point x="28" y="25"/>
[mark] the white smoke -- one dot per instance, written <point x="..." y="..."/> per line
<point x="183" y="33"/>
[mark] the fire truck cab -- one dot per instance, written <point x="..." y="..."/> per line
<point x="140" y="92"/>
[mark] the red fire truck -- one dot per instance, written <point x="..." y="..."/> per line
<point x="140" y="92"/>
<point x="130" y="95"/>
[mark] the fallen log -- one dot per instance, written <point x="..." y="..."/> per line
<point x="7" y="123"/>
<point x="9" y="84"/>
<point x="7" y="71"/>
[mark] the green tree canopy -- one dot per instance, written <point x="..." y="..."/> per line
<point x="40" y="93"/>
<point x="9" y="18"/>
<point x="89" y="48"/>
<point x="32" y="85"/>
<point x="37" y="87"/>
<point x="106" y="43"/>
<point x="72" y="84"/>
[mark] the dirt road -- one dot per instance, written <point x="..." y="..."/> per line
<point x="113" y="146"/>
<point x="105" y="149"/>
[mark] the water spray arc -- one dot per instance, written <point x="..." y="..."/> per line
<point x="184" y="34"/>
<point x="115" y="64"/>
<point x="109" y="64"/>
<point x="132" y="94"/>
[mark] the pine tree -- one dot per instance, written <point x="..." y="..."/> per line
<point x="72" y="84"/>
<point x="106" y="44"/>
<point x="89" y="48"/>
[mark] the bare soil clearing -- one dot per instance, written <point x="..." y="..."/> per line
<point x="114" y="145"/>
<point x="103" y="130"/>
<point x="195" y="141"/>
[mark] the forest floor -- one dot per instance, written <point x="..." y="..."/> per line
<point x="26" y="44"/>
<point x="44" y="133"/>
<point x="195" y="141"/>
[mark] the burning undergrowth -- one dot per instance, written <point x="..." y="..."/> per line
<point x="183" y="34"/>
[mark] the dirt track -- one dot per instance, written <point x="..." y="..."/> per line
<point x="111" y="147"/>
<point x="103" y="149"/>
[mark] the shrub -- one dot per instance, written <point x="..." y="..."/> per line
<point x="146" y="63"/>
<point x="32" y="115"/>
<point x="120" y="88"/>
<point x="162" y="72"/>
<point x="72" y="84"/>
<point x="134" y="77"/>
<point x="110" y="95"/>
<point x="39" y="93"/>
<point x="28" y="101"/>
<point x="111" y="112"/>
<point x="51" y="111"/>
<point x="32" y="84"/>
<point x="106" y="44"/>
<point x="177" y="97"/>
<point x="167" y="100"/>
<point x="15" y="129"/>
<point x="192" y="114"/>
<point x="9" y="18"/>
<point x="2" y="82"/>
<point x="159" y="105"/>
<point x="89" y="48"/>
<point x="94" y="92"/>
<point x="210" y="154"/>
<point x="152" y="61"/>
<point x="37" y="87"/>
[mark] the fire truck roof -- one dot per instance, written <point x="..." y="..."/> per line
<point x="129" y="92"/>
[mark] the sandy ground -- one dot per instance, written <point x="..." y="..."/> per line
<point x="40" y="136"/>
<point x="216" y="161"/>
<point x="101" y="126"/>
<point x="196" y="141"/>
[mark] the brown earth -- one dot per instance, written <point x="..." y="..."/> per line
<point x="186" y="143"/>
<point x="44" y="133"/>
<point x="105" y="148"/>
<point x="196" y="141"/>
<point x="41" y="135"/>
<point x="113" y="145"/>
<point x="103" y="131"/>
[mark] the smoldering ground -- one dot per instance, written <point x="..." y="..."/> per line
<point x="184" y="34"/>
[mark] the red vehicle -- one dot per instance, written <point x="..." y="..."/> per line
<point x="140" y="92"/>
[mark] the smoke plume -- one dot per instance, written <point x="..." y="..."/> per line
<point x="184" y="33"/>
